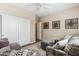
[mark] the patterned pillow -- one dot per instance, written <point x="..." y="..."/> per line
<point x="15" y="46"/>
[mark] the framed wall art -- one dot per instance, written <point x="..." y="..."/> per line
<point x="55" y="24"/>
<point x="71" y="23"/>
<point x="46" y="25"/>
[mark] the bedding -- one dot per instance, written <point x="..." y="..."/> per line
<point x="72" y="47"/>
<point x="6" y="51"/>
<point x="26" y="52"/>
<point x="61" y="44"/>
<point x="14" y="49"/>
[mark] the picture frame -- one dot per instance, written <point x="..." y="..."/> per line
<point x="71" y="23"/>
<point x="46" y="25"/>
<point x="56" y="24"/>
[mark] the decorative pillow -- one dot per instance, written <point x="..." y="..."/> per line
<point x="15" y="46"/>
<point x="5" y="51"/>
<point x="4" y="42"/>
<point x="72" y="47"/>
<point x="61" y="44"/>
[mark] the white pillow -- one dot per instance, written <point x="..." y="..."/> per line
<point x="64" y="42"/>
<point x="74" y="41"/>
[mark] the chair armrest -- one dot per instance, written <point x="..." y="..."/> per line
<point x="50" y="51"/>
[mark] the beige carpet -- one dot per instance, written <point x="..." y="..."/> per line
<point x="36" y="47"/>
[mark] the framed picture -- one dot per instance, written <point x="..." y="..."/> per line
<point x="71" y="23"/>
<point x="55" y="24"/>
<point x="46" y="25"/>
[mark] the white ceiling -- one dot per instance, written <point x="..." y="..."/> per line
<point x="43" y="9"/>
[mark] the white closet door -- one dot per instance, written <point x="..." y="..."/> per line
<point x="24" y="31"/>
<point x="10" y="28"/>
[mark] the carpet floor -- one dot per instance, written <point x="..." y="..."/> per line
<point x="36" y="47"/>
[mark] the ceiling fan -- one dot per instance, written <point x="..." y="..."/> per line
<point x="40" y="5"/>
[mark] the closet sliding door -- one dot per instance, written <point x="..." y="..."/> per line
<point x="10" y="28"/>
<point x="16" y="29"/>
<point x="24" y="31"/>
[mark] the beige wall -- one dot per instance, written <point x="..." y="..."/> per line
<point x="12" y="10"/>
<point x="59" y="33"/>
